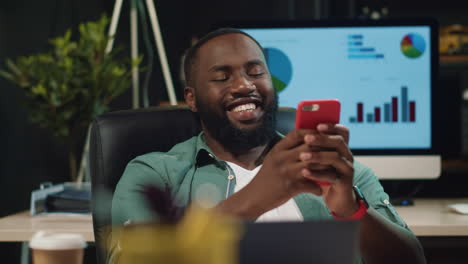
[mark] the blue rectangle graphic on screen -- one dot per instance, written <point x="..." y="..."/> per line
<point x="356" y="50"/>
<point x="381" y="75"/>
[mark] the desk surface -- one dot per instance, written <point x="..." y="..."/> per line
<point x="428" y="217"/>
<point x="432" y="217"/>
<point x="22" y="226"/>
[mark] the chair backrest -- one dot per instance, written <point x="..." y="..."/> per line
<point x="119" y="137"/>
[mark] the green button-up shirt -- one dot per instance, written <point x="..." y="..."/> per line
<point x="190" y="169"/>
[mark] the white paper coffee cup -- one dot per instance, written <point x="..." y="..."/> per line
<point x="53" y="248"/>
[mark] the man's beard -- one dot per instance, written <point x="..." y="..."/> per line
<point x="235" y="139"/>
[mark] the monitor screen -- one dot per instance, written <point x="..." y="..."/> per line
<point x="383" y="73"/>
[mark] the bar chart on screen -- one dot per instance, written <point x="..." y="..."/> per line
<point x="396" y="109"/>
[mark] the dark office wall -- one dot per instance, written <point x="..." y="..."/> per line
<point x="447" y="11"/>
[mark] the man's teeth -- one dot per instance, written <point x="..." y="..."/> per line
<point x="244" y="107"/>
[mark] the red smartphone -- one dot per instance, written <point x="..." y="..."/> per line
<point x="310" y="113"/>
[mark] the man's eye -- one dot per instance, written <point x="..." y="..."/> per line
<point x="256" y="71"/>
<point x="220" y="78"/>
<point x="257" y="74"/>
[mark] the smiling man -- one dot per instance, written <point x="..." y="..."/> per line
<point x="247" y="170"/>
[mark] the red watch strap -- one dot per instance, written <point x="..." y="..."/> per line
<point x="357" y="215"/>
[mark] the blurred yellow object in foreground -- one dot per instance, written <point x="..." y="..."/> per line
<point x="202" y="236"/>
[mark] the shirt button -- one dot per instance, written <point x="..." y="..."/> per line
<point x="230" y="177"/>
<point x="386" y="202"/>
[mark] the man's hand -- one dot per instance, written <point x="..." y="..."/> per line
<point x="280" y="177"/>
<point x="330" y="160"/>
<point x="295" y="165"/>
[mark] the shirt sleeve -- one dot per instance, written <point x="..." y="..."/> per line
<point x="128" y="203"/>
<point x="375" y="195"/>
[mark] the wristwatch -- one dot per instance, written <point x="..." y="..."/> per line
<point x="361" y="211"/>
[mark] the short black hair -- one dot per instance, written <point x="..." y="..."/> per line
<point x="191" y="54"/>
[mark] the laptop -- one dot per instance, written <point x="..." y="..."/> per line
<point x="300" y="242"/>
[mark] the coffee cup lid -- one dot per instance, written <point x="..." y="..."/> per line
<point x="53" y="240"/>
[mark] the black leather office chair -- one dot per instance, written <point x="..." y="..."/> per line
<point x="119" y="137"/>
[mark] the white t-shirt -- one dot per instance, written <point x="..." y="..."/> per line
<point x="285" y="212"/>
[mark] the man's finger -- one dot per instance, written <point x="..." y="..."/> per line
<point x="329" y="142"/>
<point x="321" y="177"/>
<point x="340" y="165"/>
<point x="334" y="129"/>
<point x="294" y="139"/>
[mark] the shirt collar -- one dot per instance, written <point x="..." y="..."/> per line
<point x="204" y="155"/>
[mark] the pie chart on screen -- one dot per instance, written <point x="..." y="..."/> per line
<point x="280" y="68"/>
<point x="413" y="45"/>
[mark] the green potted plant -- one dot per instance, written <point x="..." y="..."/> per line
<point x="68" y="86"/>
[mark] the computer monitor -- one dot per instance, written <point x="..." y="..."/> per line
<point x="383" y="72"/>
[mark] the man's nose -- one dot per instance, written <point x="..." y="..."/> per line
<point x="243" y="86"/>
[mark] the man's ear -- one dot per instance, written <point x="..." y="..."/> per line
<point x="189" y="94"/>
